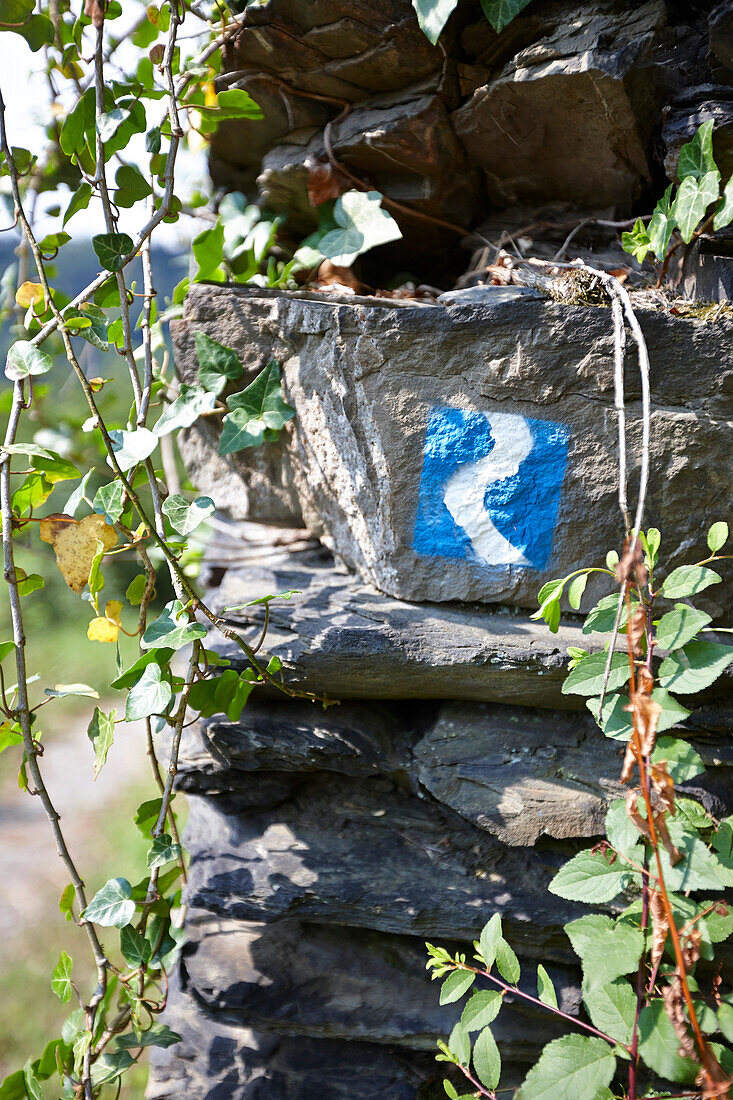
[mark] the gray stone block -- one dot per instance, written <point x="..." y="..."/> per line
<point x="468" y="451"/>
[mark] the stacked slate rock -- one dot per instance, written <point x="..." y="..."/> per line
<point x="453" y="778"/>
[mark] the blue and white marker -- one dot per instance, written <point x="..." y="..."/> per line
<point x="490" y="487"/>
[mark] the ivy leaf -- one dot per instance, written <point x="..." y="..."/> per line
<point x="208" y="252"/>
<point x="693" y="199"/>
<point x="688" y="580"/>
<point x="62" y="691"/>
<point x="38" y="32"/>
<point x="101" y="733"/>
<point x="109" y="501"/>
<point x="111" y="907"/>
<point x="362" y="225"/>
<point x="109" y="124"/>
<point x="637" y="242"/>
<point x="79" y="200"/>
<point x="158" y="1035"/>
<point x="13" y="1086"/>
<point x="501" y="12"/>
<point x="588" y="876"/>
<point x="696" y="158"/>
<point x="486" y="1059"/>
<point x="134" y="947"/>
<point x="130" y="448"/>
<point x="432" y="15"/>
<point x="696" y="666"/>
<point x="61" y="978"/>
<point x="482" y="1009"/>
<point x="545" y="988"/>
<point x="55" y="469"/>
<point x="150" y="695"/>
<point x="612" y="1008"/>
<point x="680" y="626"/>
<point x="186" y="516"/>
<point x="661" y="227"/>
<point x="172" y="629"/>
<point x="163" y="851"/>
<point x="131" y="675"/>
<point x="607" y="950"/>
<point x="260" y="407"/>
<point x="108" y="1067"/>
<point x="455" y="985"/>
<point x="112" y="249"/>
<point x="25" y="359"/>
<point x="724" y="213"/>
<point x="587" y="676"/>
<point x="659" y="1046"/>
<point x="132" y="186"/>
<point x="575" y="1066"/>
<point x="136" y="589"/>
<point x="32" y="1084"/>
<point x="217" y="364"/>
<point x="683" y="763"/>
<point x="191" y="402"/>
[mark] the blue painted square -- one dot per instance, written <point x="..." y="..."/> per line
<point x="490" y="487"/>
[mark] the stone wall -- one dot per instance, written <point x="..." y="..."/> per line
<point x="453" y="778"/>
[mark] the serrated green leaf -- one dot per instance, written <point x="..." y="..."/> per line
<point x="507" y="962"/>
<point x="362" y="222"/>
<point x="486" y="1059"/>
<point x="612" y="1008"/>
<point x="185" y="515"/>
<point x="659" y="1046"/>
<point x="111" y="907"/>
<point x="459" y="1044"/>
<point x="589" y="877"/>
<point x="455" y="985"/>
<point x="616" y="720"/>
<point x="587" y="676"/>
<point x="101" y="733"/>
<point x="575" y="1066"/>
<point x="61" y="978"/>
<point x="25" y="359"/>
<point x="607" y="950"/>
<point x="481" y="1009"/>
<point x="490" y="938"/>
<point x="695" y="667"/>
<point x="688" y="580"/>
<point x="683" y="763"/>
<point x="112" y="249"/>
<point x="545" y="988"/>
<point x="621" y="832"/>
<point x="678" y="627"/>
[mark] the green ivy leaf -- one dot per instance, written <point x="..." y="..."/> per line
<point x="190" y="404"/>
<point x="109" y="501"/>
<point x="363" y="225"/>
<point x="482" y="1009"/>
<point x="25" y="359"/>
<point x="38" y="32"/>
<point x="79" y="200"/>
<point x="637" y="242"/>
<point x="208" y="252"/>
<point x="455" y="985"/>
<point x="131" y="675"/>
<point x="172" y="629"/>
<point x="112" y="249"/>
<point x="163" y="851"/>
<point x="61" y="978"/>
<point x="130" y="448"/>
<point x="588" y="876"/>
<point x="724" y="213"/>
<point x="696" y="158"/>
<point x="101" y="733"/>
<point x="678" y="627"/>
<point x="136" y="589"/>
<point x="659" y="1046"/>
<point x="185" y="515"/>
<point x="217" y="364"/>
<point x="158" y="1035"/>
<point x="612" y="1008"/>
<point x="108" y="1067"/>
<point x="259" y="408"/>
<point x="432" y="15"/>
<point x="692" y="200"/>
<point x="607" y="950"/>
<point x="13" y="1086"/>
<point x="32" y="1084"/>
<point x="661" y="227"/>
<point x="150" y="695"/>
<point x="134" y="947"/>
<point x="688" y="580"/>
<point x="501" y="12"/>
<point x="486" y="1059"/>
<point x="587" y="676"/>
<point x="55" y="469"/>
<point x="111" y="907"/>
<point x="132" y="186"/>
<point x="575" y="1066"/>
<point x="695" y="667"/>
<point x="545" y="988"/>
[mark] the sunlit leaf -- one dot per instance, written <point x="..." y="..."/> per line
<point x="185" y="515"/>
<point x="112" y="249"/>
<point x="26" y="359"/>
<point x="363" y="225"/>
<point x="111" y="906"/>
<point x="61" y="978"/>
<point x="101" y="732"/>
<point x="217" y="364"/>
<point x="150" y="695"/>
<point x="130" y="448"/>
<point x="173" y="629"/>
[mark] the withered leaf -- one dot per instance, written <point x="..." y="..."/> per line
<point x="637" y="630"/>
<point x="631" y="565"/>
<point x="663" y="785"/>
<point x="330" y="274"/>
<point x="660" y="926"/>
<point x="674" y="1005"/>
<point x="323" y="184"/>
<point x="646" y="714"/>
<point x="106" y="628"/>
<point x="75" y="544"/>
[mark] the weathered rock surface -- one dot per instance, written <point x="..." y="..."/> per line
<point x="468" y="450"/>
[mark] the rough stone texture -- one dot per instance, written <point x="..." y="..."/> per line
<point x="689" y="111"/>
<point x="367" y="381"/>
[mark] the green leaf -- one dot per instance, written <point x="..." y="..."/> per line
<point x="659" y="1045"/>
<point x="61" y="691"/>
<point x="576" y="588"/>
<point x="688" y="580"/>
<point x="134" y="947"/>
<point x="260" y="407"/>
<point x="616" y="720"/>
<point x="132" y="674"/>
<point x="363" y="225"/>
<point x="693" y="199"/>
<point x="109" y="124"/>
<point x="575" y="1066"/>
<point x="150" y="695"/>
<point x="459" y="1044"/>
<point x="486" y="1059"/>
<point x="683" y="763"/>
<point x="718" y="533"/>
<point x="30" y="584"/>
<point x="482" y="1009"/>
<point x="78" y="127"/>
<point x="136" y="589"/>
<point x="112" y="249"/>
<point x="147" y="814"/>
<point x="637" y="242"/>
<point x="587" y="676"/>
<point x="61" y="978"/>
<point x="588" y="876"/>
<point x="158" y="1035"/>
<point x="432" y="15"/>
<point x="130" y="448"/>
<point x="455" y="985"/>
<point x="490" y="938"/>
<point x="217" y="364"/>
<point x="208" y="252"/>
<point x="32" y="1084"/>
<point x="163" y="851"/>
<point x="607" y="950"/>
<point x="66" y="901"/>
<point x="699" y="868"/>
<point x="101" y="733"/>
<point x="696" y="158"/>
<point x="109" y="501"/>
<point x="108" y="1067"/>
<point x="13" y="1086"/>
<point x="55" y="469"/>
<point x="545" y="988"/>
<point x="172" y="629"/>
<point x="612" y="1008"/>
<point x="111" y="907"/>
<point x="695" y="667"/>
<point x="38" y="32"/>
<point x="26" y="359"/>
<point x="10" y="735"/>
<point x="507" y="962"/>
<point x="621" y="832"/>
<point x="724" y="213"/>
<point x="186" y="516"/>
<point x="78" y="495"/>
<point x="662" y="225"/>
<point x="501" y="12"/>
<point x="191" y="402"/>
<point x="131" y="186"/>
<point x="725" y="1021"/>
<point x="678" y="627"/>
<point x="79" y="200"/>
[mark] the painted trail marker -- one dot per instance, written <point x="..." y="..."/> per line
<point x="490" y="487"/>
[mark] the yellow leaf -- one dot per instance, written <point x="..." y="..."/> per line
<point x="28" y="294"/>
<point x="95" y="384"/>
<point x="102" y="630"/>
<point x="75" y="544"/>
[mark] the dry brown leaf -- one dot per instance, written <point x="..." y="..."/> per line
<point x="631" y="566"/>
<point x="691" y="948"/>
<point x="674" y="1005"/>
<point x="94" y="10"/>
<point x="637" y="630"/>
<point x="629" y="761"/>
<point x="644" y="680"/>
<point x="646" y="719"/>
<point x="660" y="926"/>
<point x="663" y="785"/>
<point x="329" y="274"/>
<point x="323" y="184"/>
<point x="75" y="544"/>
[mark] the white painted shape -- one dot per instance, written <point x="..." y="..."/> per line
<point x="466" y="488"/>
